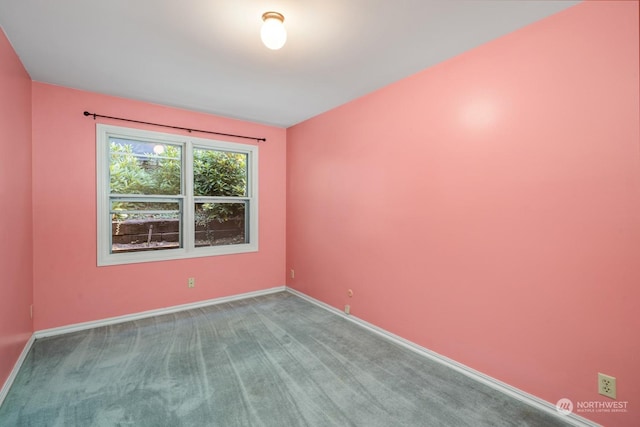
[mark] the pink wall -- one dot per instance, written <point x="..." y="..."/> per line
<point x="68" y="287"/>
<point x="16" y="266"/>
<point x="488" y="208"/>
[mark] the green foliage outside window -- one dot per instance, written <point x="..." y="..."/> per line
<point x="216" y="173"/>
<point x="152" y="174"/>
<point x="222" y="174"/>
<point x="219" y="173"/>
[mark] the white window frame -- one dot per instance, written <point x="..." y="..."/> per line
<point x="188" y="250"/>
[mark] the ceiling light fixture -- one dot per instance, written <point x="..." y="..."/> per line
<point x="273" y="33"/>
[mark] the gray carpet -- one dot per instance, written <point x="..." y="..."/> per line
<point x="275" y="360"/>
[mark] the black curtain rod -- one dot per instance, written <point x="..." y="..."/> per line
<point x="94" y="115"/>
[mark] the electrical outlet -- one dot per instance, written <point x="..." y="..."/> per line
<point x="606" y="385"/>
<point x="293" y="273"/>
<point x="192" y="282"/>
<point x="347" y="309"/>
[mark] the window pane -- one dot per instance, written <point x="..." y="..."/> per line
<point x="145" y="226"/>
<point x="220" y="224"/>
<point x="219" y="173"/>
<point x="139" y="167"/>
<point x="125" y="204"/>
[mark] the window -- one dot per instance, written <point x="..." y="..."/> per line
<point x="162" y="196"/>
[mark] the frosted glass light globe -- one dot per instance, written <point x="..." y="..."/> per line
<point x="273" y="33"/>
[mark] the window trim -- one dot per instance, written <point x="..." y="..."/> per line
<point x="104" y="255"/>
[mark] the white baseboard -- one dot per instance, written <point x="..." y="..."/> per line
<point x="150" y="313"/>
<point x="16" y="367"/>
<point x="498" y="385"/>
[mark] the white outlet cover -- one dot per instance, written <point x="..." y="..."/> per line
<point x="607" y="385"/>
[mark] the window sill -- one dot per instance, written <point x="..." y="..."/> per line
<point x="173" y="254"/>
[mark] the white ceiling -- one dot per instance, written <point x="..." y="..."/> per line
<point x="206" y="55"/>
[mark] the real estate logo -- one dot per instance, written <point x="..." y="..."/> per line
<point x="564" y="406"/>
